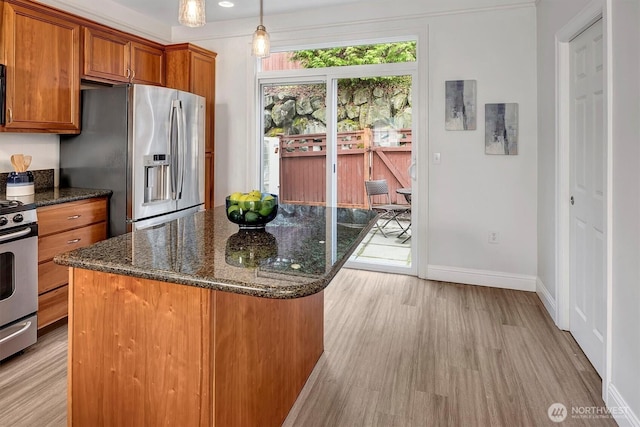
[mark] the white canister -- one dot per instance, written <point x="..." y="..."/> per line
<point x="20" y="184"/>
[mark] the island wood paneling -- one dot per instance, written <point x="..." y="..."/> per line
<point x="149" y="353"/>
<point x="265" y="351"/>
<point x="140" y="352"/>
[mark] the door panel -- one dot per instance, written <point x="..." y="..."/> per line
<point x="150" y="129"/>
<point x="588" y="191"/>
<point x="193" y="107"/>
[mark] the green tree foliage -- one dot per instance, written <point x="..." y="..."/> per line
<point x="385" y="53"/>
<point x="357" y="55"/>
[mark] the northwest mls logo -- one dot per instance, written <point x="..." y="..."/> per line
<point x="557" y="412"/>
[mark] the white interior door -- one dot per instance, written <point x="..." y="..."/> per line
<point x="588" y="195"/>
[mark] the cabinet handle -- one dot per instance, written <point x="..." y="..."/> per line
<point x="71" y="242"/>
<point x="10" y="110"/>
<point x="133" y="75"/>
<point x="73" y="217"/>
<point x="128" y="73"/>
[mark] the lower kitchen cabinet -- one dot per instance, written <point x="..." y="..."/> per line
<point x="61" y="228"/>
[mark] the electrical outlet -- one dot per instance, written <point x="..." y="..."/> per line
<point x="494" y="237"/>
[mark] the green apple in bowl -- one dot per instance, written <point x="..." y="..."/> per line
<point x="253" y="209"/>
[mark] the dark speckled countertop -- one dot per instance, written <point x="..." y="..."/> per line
<point x="54" y="196"/>
<point x="293" y="257"/>
<point x="46" y="194"/>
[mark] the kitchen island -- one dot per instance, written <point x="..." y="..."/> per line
<point x="195" y="323"/>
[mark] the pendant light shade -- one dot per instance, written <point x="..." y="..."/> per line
<point x="192" y="13"/>
<point x="260" y="45"/>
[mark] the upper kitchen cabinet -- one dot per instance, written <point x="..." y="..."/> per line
<point x="193" y="69"/>
<point x="41" y="51"/>
<point x="112" y="56"/>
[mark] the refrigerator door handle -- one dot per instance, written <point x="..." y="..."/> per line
<point x="173" y="140"/>
<point x="182" y="148"/>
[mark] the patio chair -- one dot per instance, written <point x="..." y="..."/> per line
<point x="389" y="211"/>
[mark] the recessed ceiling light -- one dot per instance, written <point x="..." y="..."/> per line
<point x="225" y="4"/>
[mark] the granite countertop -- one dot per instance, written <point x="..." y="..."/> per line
<point x="54" y="196"/>
<point x="292" y="258"/>
<point x="46" y="194"/>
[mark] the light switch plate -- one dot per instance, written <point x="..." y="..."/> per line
<point x="436" y="158"/>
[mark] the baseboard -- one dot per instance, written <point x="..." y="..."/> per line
<point x="547" y="300"/>
<point x="469" y="276"/>
<point x="623" y="414"/>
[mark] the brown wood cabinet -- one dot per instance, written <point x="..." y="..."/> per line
<point x="62" y="228"/>
<point x="150" y="353"/>
<point x="193" y="69"/>
<point x="112" y="56"/>
<point x="40" y="48"/>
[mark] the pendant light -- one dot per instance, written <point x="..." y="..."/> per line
<point x="260" y="39"/>
<point x="191" y="13"/>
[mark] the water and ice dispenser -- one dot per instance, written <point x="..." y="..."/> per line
<point x="156" y="178"/>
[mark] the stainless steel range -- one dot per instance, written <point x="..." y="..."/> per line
<point x="18" y="276"/>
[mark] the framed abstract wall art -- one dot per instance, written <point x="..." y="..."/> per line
<point x="460" y="105"/>
<point x="501" y="129"/>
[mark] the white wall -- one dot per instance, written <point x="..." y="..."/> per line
<point x="622" y="391"/>
<point x="44" y="148"/>
<point x="625" y="35"/>
<point x="469" y="193"/>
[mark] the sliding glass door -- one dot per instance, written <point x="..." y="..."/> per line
<point x="294" y="150"/>
<point x="328" y="131"/>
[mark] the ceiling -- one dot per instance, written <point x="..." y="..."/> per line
<point x="166" y="11"/>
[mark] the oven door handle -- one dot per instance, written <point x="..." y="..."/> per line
<point x="15" y="235"/>
<point x="26" y="326"/>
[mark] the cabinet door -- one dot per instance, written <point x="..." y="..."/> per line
<point x="203" y="69"/>
<point x="43" y="71"/>
<point x="208" y="180"/>
<point x="106" y="56"/>
<point x="147" y="64"/>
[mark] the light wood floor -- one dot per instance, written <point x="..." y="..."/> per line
<point x="399" y="351"/>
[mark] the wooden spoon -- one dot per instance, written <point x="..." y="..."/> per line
<point x="27" y="162"/>
<point x="20" y="162"/>
<point x="13" y="162"/>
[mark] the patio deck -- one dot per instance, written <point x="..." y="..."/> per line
<point x="380" y="250"/>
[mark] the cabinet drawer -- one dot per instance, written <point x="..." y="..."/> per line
<point x="53" y="306"/>
<point x="51" y="276"/>
<point x="53" y="219"/>
<point x="50" y="246"/>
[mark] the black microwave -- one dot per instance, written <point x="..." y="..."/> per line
<point x="3" y="93"/>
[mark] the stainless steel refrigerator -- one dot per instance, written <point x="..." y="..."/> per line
<point x="146" y="144"/>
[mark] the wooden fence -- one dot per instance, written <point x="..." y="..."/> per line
<point x="362" y="155"/>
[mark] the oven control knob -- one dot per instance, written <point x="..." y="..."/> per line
<point x="18" y="218"/>
<point x="3" y="221"/>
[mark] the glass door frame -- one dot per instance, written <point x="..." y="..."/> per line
<point x="330" y="77"/>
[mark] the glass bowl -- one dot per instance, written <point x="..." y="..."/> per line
<point x="252" y="214"/>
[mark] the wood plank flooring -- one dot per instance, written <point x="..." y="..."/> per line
<point x="399" y="351"/>
<point x="33" y="386"/>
